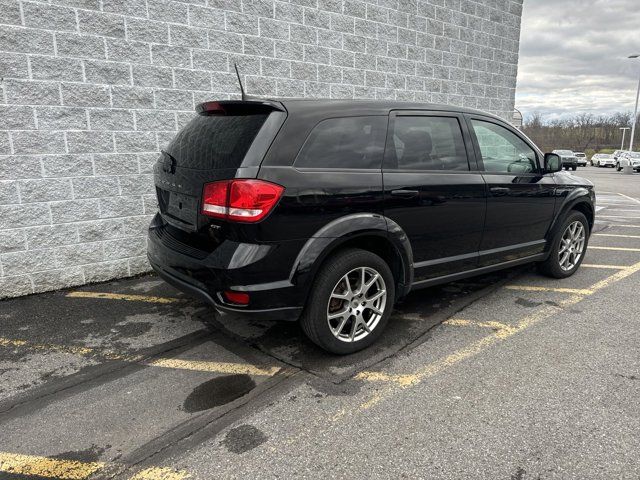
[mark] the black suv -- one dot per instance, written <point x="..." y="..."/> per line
<point x="330" y="212"/>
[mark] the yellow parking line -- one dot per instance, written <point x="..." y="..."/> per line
<point x="10" y="342"/>
<point x="629" y="198"/>
<point x="32" y="465"/>
<point x="469" y="351"/>
<point x="475" y="348"/>
<point x="61" y="469"/>
<point x="617" y="216"/>
<point x="612" y="267"/>
<point x="123" y="296"/>
<point x="403" y="380"/>
<point x="527" y="288"/>
<point x="620" y="249"/>
<point x="615" y="235"/>
<point x="215" y="367"/>
<point x="155" y="473"/>
<point x="623" y="225"/>
<point x="175" y="363"/>
<point x="461" y="322"/>
<point x="616" y="277"/>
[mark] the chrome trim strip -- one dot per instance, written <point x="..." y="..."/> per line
<point x="477" y="271"/>
<point x="482" y="253"/>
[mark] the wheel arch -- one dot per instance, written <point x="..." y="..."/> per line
<point x="371" y="232"/>
<point x="579" y="200"/>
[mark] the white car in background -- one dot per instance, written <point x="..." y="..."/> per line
<point x="603" y="160"/>
<point x="582" y="159"/>
<point x="617" y="153"/>
<point x="628" y="158"/>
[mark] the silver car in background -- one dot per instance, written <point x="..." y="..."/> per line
<point x="603" y="160"/>
<point x="569" y="160"/>
<point x="582" y="159"/>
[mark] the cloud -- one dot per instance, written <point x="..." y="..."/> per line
<point x="573" y="56"/>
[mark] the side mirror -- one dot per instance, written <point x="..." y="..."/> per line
<point x="552" y="163"/>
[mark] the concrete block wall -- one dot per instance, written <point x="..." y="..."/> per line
<point x="92" y="89"/>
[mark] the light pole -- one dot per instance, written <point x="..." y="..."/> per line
<point x="624" y="131"/>
<point x="635" y="111"/>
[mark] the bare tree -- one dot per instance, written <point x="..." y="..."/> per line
<point x="582" y="132"/>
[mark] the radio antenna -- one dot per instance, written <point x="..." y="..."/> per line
<point x="244" y="96"/>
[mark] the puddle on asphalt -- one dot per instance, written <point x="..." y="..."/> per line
<point x="219" y="391"/>
<point x="527" y="303"/>
<point x="91" y="454"/>
<point x="243" y="438"/>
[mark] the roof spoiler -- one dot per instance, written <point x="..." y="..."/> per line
<point x="239" y="107"/>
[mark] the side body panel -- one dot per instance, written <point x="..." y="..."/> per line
<point x="441" y="212"/>
<point x="520" y="207"/>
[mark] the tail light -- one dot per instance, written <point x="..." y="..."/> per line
<point x="238" y="298"/>
<point x="240" y="200"/>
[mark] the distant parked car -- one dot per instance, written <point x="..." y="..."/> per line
<point x="617" y="153"/>
<point x="603" y="160"/>
<point x="568" y="158"/>
<point x="628" y="158"/>
<point x="582" y="159"/>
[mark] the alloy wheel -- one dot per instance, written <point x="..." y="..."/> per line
<point x="571" y="246"/>
<point x="357" y="304"/>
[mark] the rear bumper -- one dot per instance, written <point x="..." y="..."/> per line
<point x="199" y="293"/>
<point x="255" y="269"/>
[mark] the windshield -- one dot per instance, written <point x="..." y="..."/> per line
<point x="215" y="141"/>
<point x="564" y="152"/>
<point x="634" y="155"/>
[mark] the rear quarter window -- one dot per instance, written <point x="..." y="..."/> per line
<point x="350" y="142"/>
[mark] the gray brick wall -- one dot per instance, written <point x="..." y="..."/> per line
<point x="92" y="89"/>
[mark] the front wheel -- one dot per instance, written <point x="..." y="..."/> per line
<point x="350" y="303"/>
<point x="618" y="167"/>
<point x="574" y="168"/>
<point x="569" y="247"/>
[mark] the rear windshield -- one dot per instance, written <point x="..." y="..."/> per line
<point x="215" y="141"/>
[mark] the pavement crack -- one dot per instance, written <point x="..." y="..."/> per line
<point x="207" y="426"/>
<point x="88" y="376"/>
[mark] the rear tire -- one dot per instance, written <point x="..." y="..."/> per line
<point x="565" y="245"/>
<point x="338" y="289"/>
<point x="574" y="168"/>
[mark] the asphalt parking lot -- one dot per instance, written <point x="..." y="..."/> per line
<point x="507" y="376"/>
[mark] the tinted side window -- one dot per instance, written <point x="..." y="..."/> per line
<point x="427" y="143"/>
<point x="350" y="142"/>
<point x="502" y="150"/>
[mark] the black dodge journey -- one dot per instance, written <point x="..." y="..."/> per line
<point x="329" y="212"/>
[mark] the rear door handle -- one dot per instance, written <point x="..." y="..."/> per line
<point x="405" y="193"/>
<point x="500" y="189"/>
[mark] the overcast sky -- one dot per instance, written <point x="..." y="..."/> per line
<point x="573" y="56"/>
